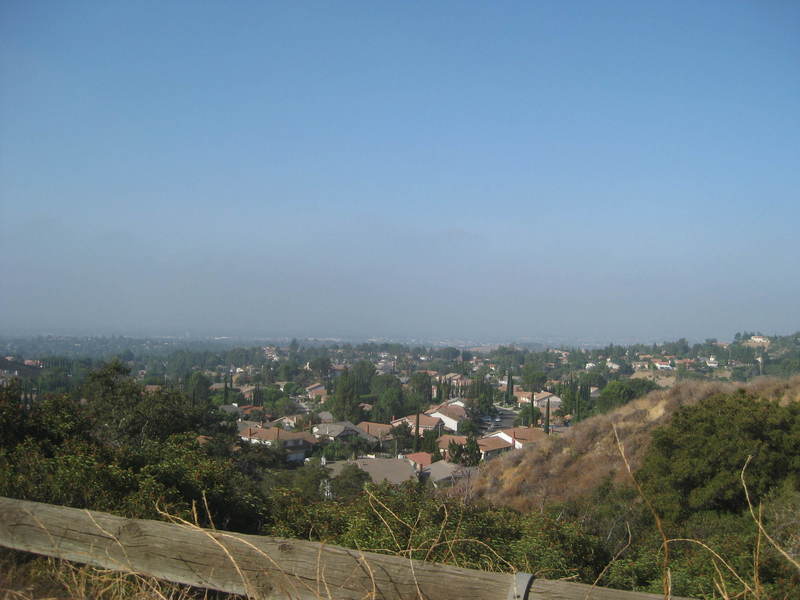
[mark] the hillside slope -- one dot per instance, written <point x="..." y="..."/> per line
<point x="568" y="465"/>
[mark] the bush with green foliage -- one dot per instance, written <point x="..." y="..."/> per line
<point x="621" y="392"/>
<point x="135" y="454"/>
<point x="694" y="463"/>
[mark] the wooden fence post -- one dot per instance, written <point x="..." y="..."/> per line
<point x="260" y="566"/>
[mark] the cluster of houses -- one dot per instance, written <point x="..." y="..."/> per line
<point x="443" y="418"/>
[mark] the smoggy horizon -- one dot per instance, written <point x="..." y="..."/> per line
<point x="597" y="172"/>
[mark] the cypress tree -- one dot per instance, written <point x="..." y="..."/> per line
<point x="509" y="387"/>
<point x="547" y="417"/>
<point x="416" y="436"/>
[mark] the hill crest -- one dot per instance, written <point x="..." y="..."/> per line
<point x="569" y="465"/>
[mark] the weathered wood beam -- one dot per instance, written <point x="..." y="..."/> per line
<point x="258" y="566"/>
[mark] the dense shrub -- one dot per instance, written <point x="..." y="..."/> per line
<point x="694" y="463"/>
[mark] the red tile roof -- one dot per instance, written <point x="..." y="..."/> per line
<point x="444" y="441"/>
<point x="423" y="459"/>
<point x="377" y="429"/>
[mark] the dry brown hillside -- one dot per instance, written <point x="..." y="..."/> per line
<point x="570" y="464"/>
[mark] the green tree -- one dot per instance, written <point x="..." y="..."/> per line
<point x="308" y="480"/>
<point x="363" y="372"/>
<point x="528" y="416"/>
<point x="321" y="366"/>
<point x="421" y="389"/>
<point x="467" y="427"/>
<point x="349" y="483"/>
<point x="455" y="452"/>
<point x="388" y="406"/>
<point x="198" y="388"/>
<point x="623" y="391"/>
<point x="430" y="441"/>
<point x="694" y="463"/>
<point x="533" y="377"/>
<point x="403" y="437"/>
<point x="471" y="454"/>
<point x="344" y="405"/>
<point x="381" y="383"/>
<point x="547" y="416"/>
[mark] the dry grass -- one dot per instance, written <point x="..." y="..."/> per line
<point x="560" y="468"/>
<point x="567" y="466"/>
<point x="28" y="577"/>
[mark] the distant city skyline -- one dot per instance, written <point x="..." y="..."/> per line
<point x="599" y="171"/>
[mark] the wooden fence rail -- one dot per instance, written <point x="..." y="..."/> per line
<point x="262" y="567"/>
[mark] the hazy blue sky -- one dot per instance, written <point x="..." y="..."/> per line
<point x="606" y="170"/>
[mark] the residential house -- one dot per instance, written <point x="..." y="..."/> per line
<point x="431" y="374"/>
<point x="445" y="474"/>
<point x="246" y="427"/>
<point x="461" y="382"/>
<point x="288" y="421"/>
<point x="492" y="447"/>
<point x="426" y="423"/>
<point x="451" y="415"/>
<point x="456" y="380"/>
<point x="522" y="396"/>
<point x="338" y="370"/>
<point x="444" y="442"/>
<point x="297" y="445"/>
<point x="385" y="367"/>
<point x="540" y="401"/>
<point x="325" y="417"/>
<point x="419" y="460"/>
<point x="393" y="470"/>
<point x="248" y="392"/>
<point x="519" y="436"/>
<point x="341" y="431"/>
<point x="255" y="412"/>
<point x="381" y="431"/>
<point x="231" y="409"/>
<point x="316" y="391"/>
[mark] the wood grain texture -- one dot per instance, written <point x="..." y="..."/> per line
<point x="257" y="566"/>
<point x="547" y="589"/>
